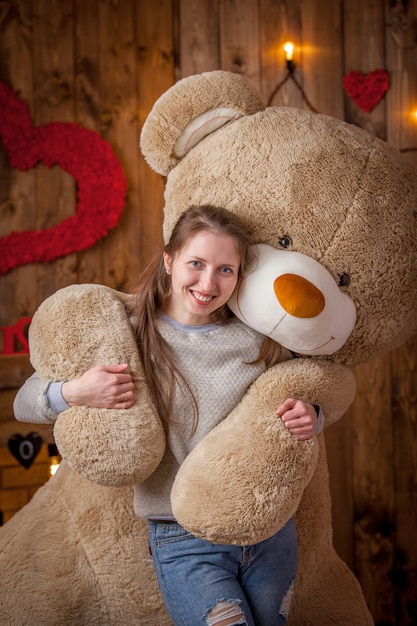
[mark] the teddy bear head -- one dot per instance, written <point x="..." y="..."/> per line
<point x="332" y="207"/>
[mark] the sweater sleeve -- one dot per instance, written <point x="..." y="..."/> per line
<point x="38" y="401"/>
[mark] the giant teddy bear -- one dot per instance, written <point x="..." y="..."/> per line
<point x="333" y="213"/>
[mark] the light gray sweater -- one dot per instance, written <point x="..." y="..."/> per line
<point x="214" y="360"/>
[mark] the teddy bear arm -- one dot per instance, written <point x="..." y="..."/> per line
<point x="245" y="479"/>
<point x="330" y="385"/>
<point x="73" y="330"/>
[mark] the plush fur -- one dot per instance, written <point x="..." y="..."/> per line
<point x="82" y="321"/>
<point x="76" y="555"/>
<point x="343" y="198"/>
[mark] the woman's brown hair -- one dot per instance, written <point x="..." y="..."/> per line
<point x="160" y="368"/>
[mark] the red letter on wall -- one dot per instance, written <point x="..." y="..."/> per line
<point x="15" y="335"/>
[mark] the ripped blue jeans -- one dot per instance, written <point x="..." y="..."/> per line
<point x="213" y="585"/>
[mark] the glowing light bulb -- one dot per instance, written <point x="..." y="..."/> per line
<point x="289" y="50"/>
<point x="53" y="464"/>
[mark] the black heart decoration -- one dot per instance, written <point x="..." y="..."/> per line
<point x="25" y="449"/>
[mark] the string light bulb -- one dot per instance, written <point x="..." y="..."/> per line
<point x="289" y="55"/>
<point x="289" y="50"/>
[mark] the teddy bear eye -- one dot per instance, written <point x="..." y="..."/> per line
<point x="344" y="280"/>
<point x="285" y="241"/>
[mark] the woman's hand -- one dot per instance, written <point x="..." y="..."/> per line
<point x="299" y="417"/>
<point x="102" y="387"/>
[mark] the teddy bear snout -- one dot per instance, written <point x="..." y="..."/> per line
<point x="294" y="300"/>
<point x="298" y="296"/>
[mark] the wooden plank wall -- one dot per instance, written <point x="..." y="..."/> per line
<point x="102" y="64"/>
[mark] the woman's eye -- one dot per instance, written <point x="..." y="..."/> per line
<point x="344" y="280"/>
<point x="285" y="241"/>
<point x="226" y="270"/>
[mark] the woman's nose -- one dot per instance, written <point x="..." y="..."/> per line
<point x="208" y="280"/>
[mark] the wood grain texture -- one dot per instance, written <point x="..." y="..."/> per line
<point x="239" y="38"/>
<point x="197" y="29"/>
<point x="404" y="468"/>
<point x="87" y="100"/>
<point x="373" y="486"/>
<point x="53" y="60"/>
<point x="156" y="73"/>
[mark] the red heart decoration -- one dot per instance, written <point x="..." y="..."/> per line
<point x="101" y="184"/>
<point x="366" y="89"/>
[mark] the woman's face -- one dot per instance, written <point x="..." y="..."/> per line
<point x="204" y="274"/>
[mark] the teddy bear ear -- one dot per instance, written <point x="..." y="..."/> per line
<point x="192" y="109"/>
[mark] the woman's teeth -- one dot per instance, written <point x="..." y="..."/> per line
<point x="201" y="298"/>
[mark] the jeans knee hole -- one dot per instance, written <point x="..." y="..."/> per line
<point x="226" y="613"/>
<point x="286" y="601"/>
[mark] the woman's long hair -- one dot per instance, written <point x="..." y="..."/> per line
<point x="160" y="368"/>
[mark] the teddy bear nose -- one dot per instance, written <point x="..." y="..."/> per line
<point x="298" y="296"/>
